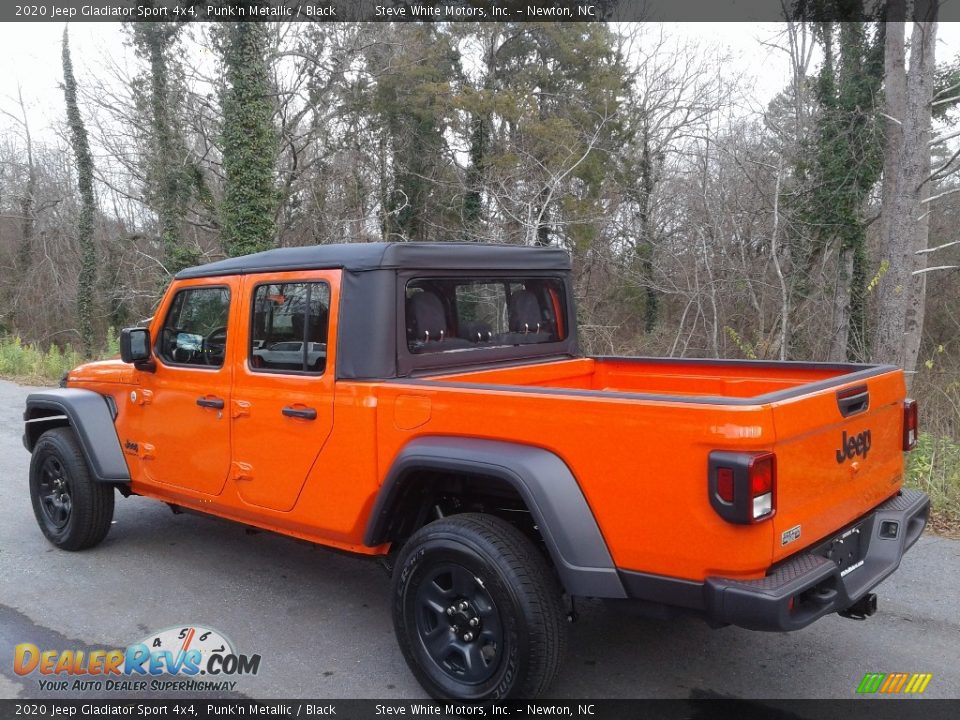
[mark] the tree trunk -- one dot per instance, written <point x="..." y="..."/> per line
<point x="25" y="252"/>
<point x="895" y="100"/>
<point x="84" y="165"/>
<point x="651" y="308"/>
<point x="250" y="144"/>
<point x="479" y="148"/>
<point x="170" y="202"/>
<point x="900" y="301"/>
<point x="920" y="90"/>
<point x="841" y="306"/>
<point x="857" y="340"/>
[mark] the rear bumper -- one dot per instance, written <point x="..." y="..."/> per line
<point x="814" y="582"/>
<point x="806" y="586"/>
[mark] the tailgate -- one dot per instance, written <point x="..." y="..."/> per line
<point x="839" y="454"/>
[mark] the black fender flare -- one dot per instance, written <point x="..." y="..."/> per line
<point x="90" y="417"/>
<point x="545" y="484"/>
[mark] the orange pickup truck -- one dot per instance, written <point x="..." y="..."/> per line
<point x="428" y="403"/>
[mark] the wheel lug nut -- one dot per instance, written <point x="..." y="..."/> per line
<point x="468" y="637"/>
<point x="474" y="622"/>
<point x="450" y="610"/>
<point x="463" y="605"/>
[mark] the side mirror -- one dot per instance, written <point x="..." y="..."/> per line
<point x="135" y="345"/>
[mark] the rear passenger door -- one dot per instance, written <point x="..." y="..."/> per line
<point x="282" y="406"/>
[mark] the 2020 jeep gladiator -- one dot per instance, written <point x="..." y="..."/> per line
<point x="428" y="402"/>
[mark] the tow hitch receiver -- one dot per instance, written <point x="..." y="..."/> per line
<point x="862" y="608"/>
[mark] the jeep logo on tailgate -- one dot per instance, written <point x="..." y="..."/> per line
<point x="854" y="445"/>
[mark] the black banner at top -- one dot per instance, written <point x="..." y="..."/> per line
<point x="466" y="10"/>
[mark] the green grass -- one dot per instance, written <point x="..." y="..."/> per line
<point x="934" y="467"/>
<point x="33" y="365"/>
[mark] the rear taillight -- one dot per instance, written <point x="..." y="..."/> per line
<point x="742" y="485"/>
<point x="725" y="484"/>
<point x="761" y="485"/>
<point x="910" y="426"/>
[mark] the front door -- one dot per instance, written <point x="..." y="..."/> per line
<point x="183" y="408"/>
<point x="282" y="407"/>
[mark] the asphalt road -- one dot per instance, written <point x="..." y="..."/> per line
<point x="320" y="620"/>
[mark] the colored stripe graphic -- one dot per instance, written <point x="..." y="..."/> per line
<point x="894" y="683"/>
<point x="871" y="682"/>
<point x="899" y="682"/>
<point x="922" y="680"/>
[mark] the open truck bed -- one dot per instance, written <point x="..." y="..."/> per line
<point x="689" y="380"/>
<point x="643" y="431"/>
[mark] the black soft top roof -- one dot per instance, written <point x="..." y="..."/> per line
<point x="361" y="257"/>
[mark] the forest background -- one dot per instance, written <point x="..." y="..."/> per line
<point x="702" y="222"/>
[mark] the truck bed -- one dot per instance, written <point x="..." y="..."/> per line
<point x="637" y="434"/>
<point x="690" y="380"/>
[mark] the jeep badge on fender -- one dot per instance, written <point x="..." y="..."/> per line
<point x="854" y="445"/>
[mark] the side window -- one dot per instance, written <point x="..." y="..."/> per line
<point x="289" y="327"/>
<point x="195" y="330"/>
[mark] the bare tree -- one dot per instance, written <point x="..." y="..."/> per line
<point x="28" y="198"/>
<point x="901" y="289"/>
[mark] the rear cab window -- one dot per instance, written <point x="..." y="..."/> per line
<point x="462" y="314"/>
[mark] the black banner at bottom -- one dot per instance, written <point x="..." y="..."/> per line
<point x="853" y="709"/>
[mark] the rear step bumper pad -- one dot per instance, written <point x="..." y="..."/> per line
<point x="812" y="581"/>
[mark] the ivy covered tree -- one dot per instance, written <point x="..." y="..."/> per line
<point x="249" y="139"/>
<point x="412" y="101"/>
<point x="169" y="176"/>
<point x="844" y="165"/>
<point x="83" y="161"/>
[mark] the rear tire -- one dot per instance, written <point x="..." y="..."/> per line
<point x="477" y="610"/>
<point x="74" y="511"/>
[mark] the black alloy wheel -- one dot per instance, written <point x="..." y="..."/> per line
<point x="459" y="624"/>
<point x="54" y="490"/>
<point x="74" y="510"/>
<point x="476" y="610"/>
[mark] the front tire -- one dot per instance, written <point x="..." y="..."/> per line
<point x="74" y="511"/>
<point x="477" y="610"/>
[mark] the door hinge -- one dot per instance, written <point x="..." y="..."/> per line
<point x="241" y="408"/>
<point x="242" y="471"/>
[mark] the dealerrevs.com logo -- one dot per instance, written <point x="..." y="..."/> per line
<point x="186" y="658"/>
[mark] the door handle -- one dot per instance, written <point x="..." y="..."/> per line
<point x="853" y="400"/>
<point x="210" y="402"/>
<point x="303" y="413"/>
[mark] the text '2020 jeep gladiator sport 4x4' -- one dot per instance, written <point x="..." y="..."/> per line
<point x="428" y="401"/>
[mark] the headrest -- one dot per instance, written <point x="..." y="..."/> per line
<point x="426" y="317"/>
<point x="524" y="311"/>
